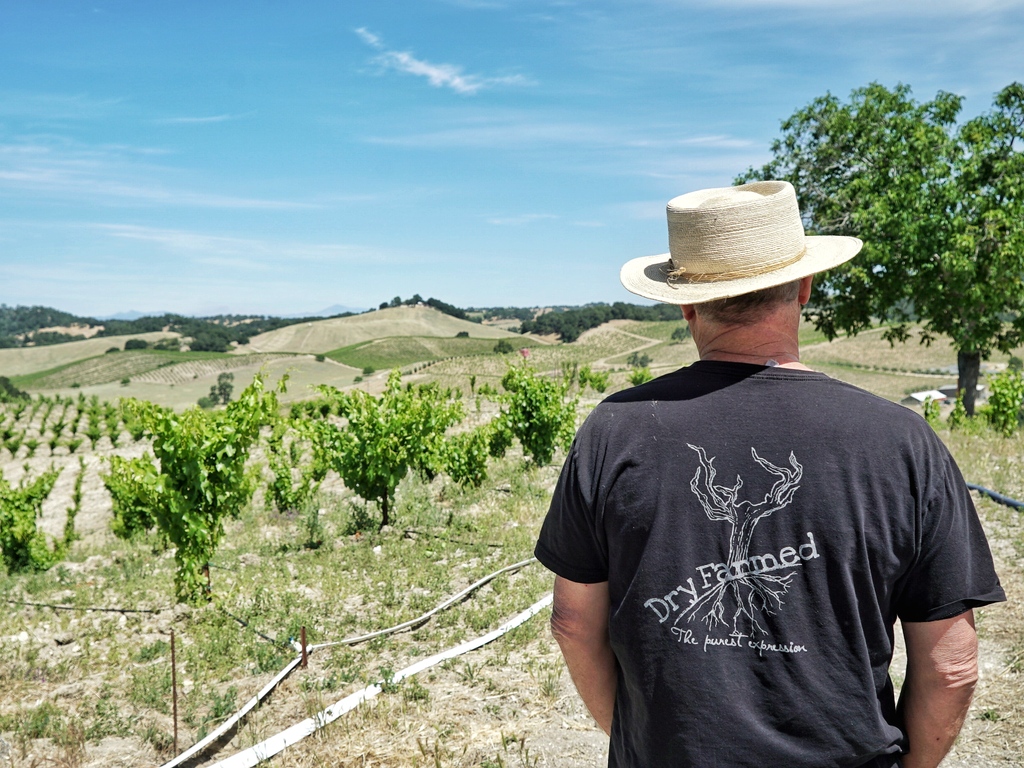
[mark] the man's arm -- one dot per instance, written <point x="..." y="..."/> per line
<point x="942" y="668"/>
<point x="579" y="622"/>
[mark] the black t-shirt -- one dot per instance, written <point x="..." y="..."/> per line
<point x="760" y="530"/>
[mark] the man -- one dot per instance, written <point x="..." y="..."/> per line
<point x="734" y="541"/>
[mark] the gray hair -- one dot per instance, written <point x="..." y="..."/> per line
<point x="748" y="308"/>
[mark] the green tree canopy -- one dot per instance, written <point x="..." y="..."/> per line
<point x="938" y="204"/>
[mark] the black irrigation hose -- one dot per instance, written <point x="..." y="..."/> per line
<point x="408" y="531"/>
<point x="246" y="624"/>
<point x="87" y="607"/>
<point x="996" y="496"/>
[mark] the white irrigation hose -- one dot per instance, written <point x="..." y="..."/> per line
<point x="420" y="619"/>
<point x="228" y="724"/>
<point x="201" y="745"/>
<point x="278" y="743"/>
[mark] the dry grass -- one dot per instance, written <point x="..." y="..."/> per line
<point x="325" y="335"/>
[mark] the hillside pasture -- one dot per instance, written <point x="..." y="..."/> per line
<point x="322" y="336"/>
<point x="110" y="367"/>
<point x="400" y="351"/>
<point x="27" y="360"/>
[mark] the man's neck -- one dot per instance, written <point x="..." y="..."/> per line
<point x="772" y="341"/>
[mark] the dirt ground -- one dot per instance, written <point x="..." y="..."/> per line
<point x="497" y="706"/>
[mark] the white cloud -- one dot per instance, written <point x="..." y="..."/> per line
<point x="438" y="75"/>
<point x="224" y="250"/>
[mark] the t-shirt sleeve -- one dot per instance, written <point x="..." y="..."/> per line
<point x="572" y="542"/>
<point x="953" y="570"/>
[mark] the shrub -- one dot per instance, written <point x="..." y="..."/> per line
<point x="682" y="333"/>
<point x="536" y="411"/>
<point x="640" y="376"/>
<point x="504" y="347"/>
<point x="1004" y="402"/>
<point x="637" y="360"/>
<point x="202" y="479"/>
<point x="135" y="344"/>
<point x="387" y="436"/>
<point x="23" y="546"/>
<point x="462" y="335"/>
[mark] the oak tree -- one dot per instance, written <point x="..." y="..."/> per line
<point x="940" y="208"/>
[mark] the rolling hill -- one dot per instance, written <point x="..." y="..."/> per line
<point x="326" y="335"/>
<point x="25" y="360"/>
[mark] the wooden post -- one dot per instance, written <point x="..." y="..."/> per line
<point x="302" y="640"/>
<point x="174" y="693"/>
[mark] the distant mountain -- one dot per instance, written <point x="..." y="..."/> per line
<point x="338" y="309"/>
<point x="131" y="314"/>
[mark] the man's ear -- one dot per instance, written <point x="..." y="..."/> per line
<point x="805" y="289"/>
<point x="688" y="312"/>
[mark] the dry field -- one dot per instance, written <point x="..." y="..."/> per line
<point x="91" y="688"/>
<point x="325" y="335"/>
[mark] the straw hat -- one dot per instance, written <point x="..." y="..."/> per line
<point x="733" y="240"/>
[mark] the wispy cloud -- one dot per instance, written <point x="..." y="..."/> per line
<point x="108" y="175"/>
<point x="508" y="130"/>
<point x="196" y="120"/>
<point x="54" y="106"/>
<point x="221" y="250"/>
<point x="438" y="75"/>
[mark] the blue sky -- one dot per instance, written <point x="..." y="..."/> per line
<point x="280" y="158"/>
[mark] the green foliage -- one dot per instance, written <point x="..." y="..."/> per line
<point x="298" y="465"/>
<point x="504" y="347"/>
<point x="537" y="411"/>
<point x="131" y="344"/>
<point x="937" y="204"/>
<point x="958" y="417"/>
<point x="570" y="323"/>
<point x="930" y="410"/>
<point x="1005" y="401"/>
<point x="202" y="480"/>
<point x="134" y="492"/>
<point x="598" y="381"/>
<point x="70" y="535"/>
<point x="387" y="436"/>
<point x="682" y="333"/>
<point x="640" y="376"/>
<point x="10" y="393"/>
<point x="466" y="454"/>
<point x="638" y="360"/>
<point x="23" y="546"/>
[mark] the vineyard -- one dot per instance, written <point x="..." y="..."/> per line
<point x="346" y="513"/>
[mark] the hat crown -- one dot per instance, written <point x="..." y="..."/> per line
<point x="730" y="232"/>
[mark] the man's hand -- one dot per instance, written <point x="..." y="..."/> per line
<point x="579" y="622"/>
<point x="942" y="668"/>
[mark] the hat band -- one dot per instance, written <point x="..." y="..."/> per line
<point x="681" y="275"/>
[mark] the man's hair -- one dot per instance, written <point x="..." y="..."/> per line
<point x="748" y="308"/>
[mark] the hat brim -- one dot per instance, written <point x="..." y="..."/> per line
<point x="647" y="276"/>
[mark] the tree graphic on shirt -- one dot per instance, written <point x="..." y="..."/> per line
<point x="755" y="593"/>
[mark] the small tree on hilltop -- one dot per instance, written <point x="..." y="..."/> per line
<point x="201" y="480"/>
<point x="387" y="436"/>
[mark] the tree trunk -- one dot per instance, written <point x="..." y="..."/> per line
<point x="384" y="511"/>
<point x="968" y="367"/>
